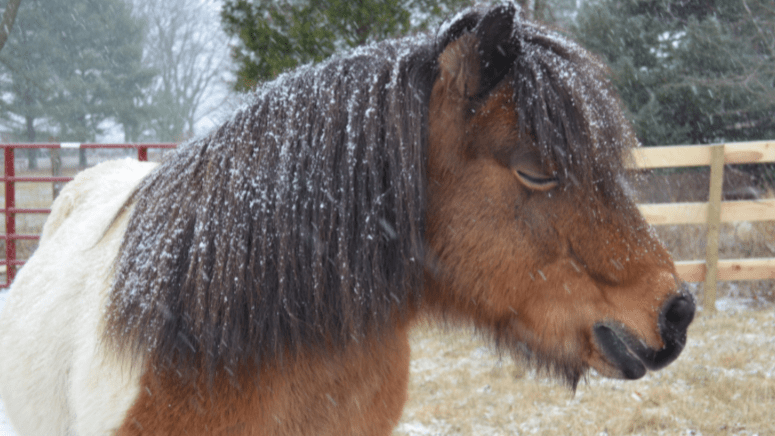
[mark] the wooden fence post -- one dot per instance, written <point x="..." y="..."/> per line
<point x="714" y="225"/>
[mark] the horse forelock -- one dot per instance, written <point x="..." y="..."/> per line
<point x="298" y="223"/>
<point x="565" y="101"/>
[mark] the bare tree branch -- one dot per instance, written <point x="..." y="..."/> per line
<point x="190" y="52"/>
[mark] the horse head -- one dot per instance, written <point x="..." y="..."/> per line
<point x="531" y="233"/>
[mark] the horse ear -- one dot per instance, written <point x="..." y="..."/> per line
<point x="497" y="47"/>
<point x="457" y="28"/>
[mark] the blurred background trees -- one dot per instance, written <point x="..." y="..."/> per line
<point x="278" y="35"/>
<point x="188" y="50"/>
<point x="275" y="36"/>
<point x="9" y="16"/>
<point x="140" y="70"/>
<point x="67" y="67"/>
<point x="688" y="71"/>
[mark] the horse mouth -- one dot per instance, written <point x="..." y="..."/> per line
<point x="614" y="348"/>
<point x="630" y="355"/>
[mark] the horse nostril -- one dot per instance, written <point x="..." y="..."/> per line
<point x="679" y="313"/>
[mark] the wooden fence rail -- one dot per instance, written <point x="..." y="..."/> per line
<point x="714" y="212"/>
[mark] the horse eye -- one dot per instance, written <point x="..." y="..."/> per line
<point x="537" y="182"/>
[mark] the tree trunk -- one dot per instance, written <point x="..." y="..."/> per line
<point x="9" y="16"/>
<point x="56" y="171"/>
<point x="32" y="154"/>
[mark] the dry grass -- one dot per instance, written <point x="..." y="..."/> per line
<point x="723" y="383"/>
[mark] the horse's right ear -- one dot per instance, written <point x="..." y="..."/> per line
<point x="497" y="46"/>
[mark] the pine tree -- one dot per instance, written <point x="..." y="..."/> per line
<point x="26" y="79"/>
<point x="70" y="65"/>
<point x="279" y="35"/>
<point x="689" y="71"/>
<point x="97" y="67"/>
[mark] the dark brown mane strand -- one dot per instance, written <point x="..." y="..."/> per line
<point x="298" y="223"/>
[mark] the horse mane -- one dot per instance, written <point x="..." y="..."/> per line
<point x="299" y="223"/>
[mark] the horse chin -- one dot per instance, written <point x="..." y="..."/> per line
<point x="563" y="367"/>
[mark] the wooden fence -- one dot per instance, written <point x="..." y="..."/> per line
<point x="714" y="212"/>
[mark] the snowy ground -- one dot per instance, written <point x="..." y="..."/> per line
<point x="458" y="387"/>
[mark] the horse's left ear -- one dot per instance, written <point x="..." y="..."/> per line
<point x="497" y="46"/>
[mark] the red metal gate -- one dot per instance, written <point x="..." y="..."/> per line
<point x="9" y="179"/>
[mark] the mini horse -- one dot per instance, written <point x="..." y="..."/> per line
<point x="263" y="280"/>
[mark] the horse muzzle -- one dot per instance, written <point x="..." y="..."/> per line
<point x="631" y="355"/>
